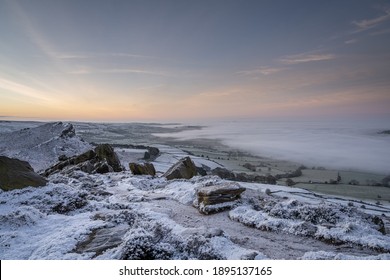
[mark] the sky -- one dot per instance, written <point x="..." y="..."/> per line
<point x="191" y="60"/>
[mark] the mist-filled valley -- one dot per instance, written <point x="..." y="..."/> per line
<point x="348" y="145"/>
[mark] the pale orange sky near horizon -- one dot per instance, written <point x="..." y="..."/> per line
<point x="166" y="61"/>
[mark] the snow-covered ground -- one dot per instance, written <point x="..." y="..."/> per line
<point x="122" y="216"/>
<point x="118" y="215"/>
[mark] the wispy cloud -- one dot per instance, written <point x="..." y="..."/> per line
<point x="351" y="41"/>
<point x="365" y="24"/>
<point x="100" y="55"/>
<point x="22" y="89"/>
<point x="86" y="71"/>
<point x="71" y="56"/>
<point x="131" y="71"/>
<point x="305" y="57"/>
<point x="261" y="71"/>
<point x="24" y="20"/>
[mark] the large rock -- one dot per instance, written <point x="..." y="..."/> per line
<point x="183" y="169"/>
<point x="17" y="174"/>
<point x="154" y="152"/>
<point x="106" y="152"/>
<point x="151" y="153"/>
<point x="211" y="199"/>
<point x="88" y="155"/>
<point x="142" y="169"/>
<point x="101" y="160"/>
<point x="84" y="161"/>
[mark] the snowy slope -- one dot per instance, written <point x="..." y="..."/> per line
<point x="42" y="145"/>
<point x="140" y="217"/>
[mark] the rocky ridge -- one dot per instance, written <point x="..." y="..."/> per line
<point x="101" y="160"/>
<point x="42" y="145"/>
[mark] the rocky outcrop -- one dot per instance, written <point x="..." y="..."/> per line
<point x="223" y="173"/>
<point x="106" y="152"/>
<point x="68" y="131"/>
<point x="142" y="169"/>
<point x="211" y="199"/>
<point x="101" y="160"/>
<point x="183" y="169"/>
<point x="151" y="153"/>
<point x="41" y="146"/>
<point x="202" y="171"/>
<point x="17" y="174"/>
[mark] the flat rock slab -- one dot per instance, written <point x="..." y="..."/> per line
<point x="219" y="193"/>
<point x="102" y="239"/>
<point x="216" y="198"/>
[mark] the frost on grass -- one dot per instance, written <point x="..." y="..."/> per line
<point x="153" y="236"/>
<point x="91" y="216"/>
<point x="332" y="223"/>
<point x="61" y="199"/>
<point x="118" y="216"/>
<point x="214" y="208"/>
<point x="154" y="241"/>
<point x="322" y="255"/>
<point x="23" y="216"/>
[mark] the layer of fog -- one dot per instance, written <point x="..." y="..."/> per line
<point x="343" y="145"/>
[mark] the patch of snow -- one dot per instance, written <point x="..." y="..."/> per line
<point x="181" y="191"/>
<point x="127" y="155"/>
<point x="231" y="251"/>
<point x="169" y="156"/>
<point x="199" y="161"/>
<point x="35" y="235"/>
